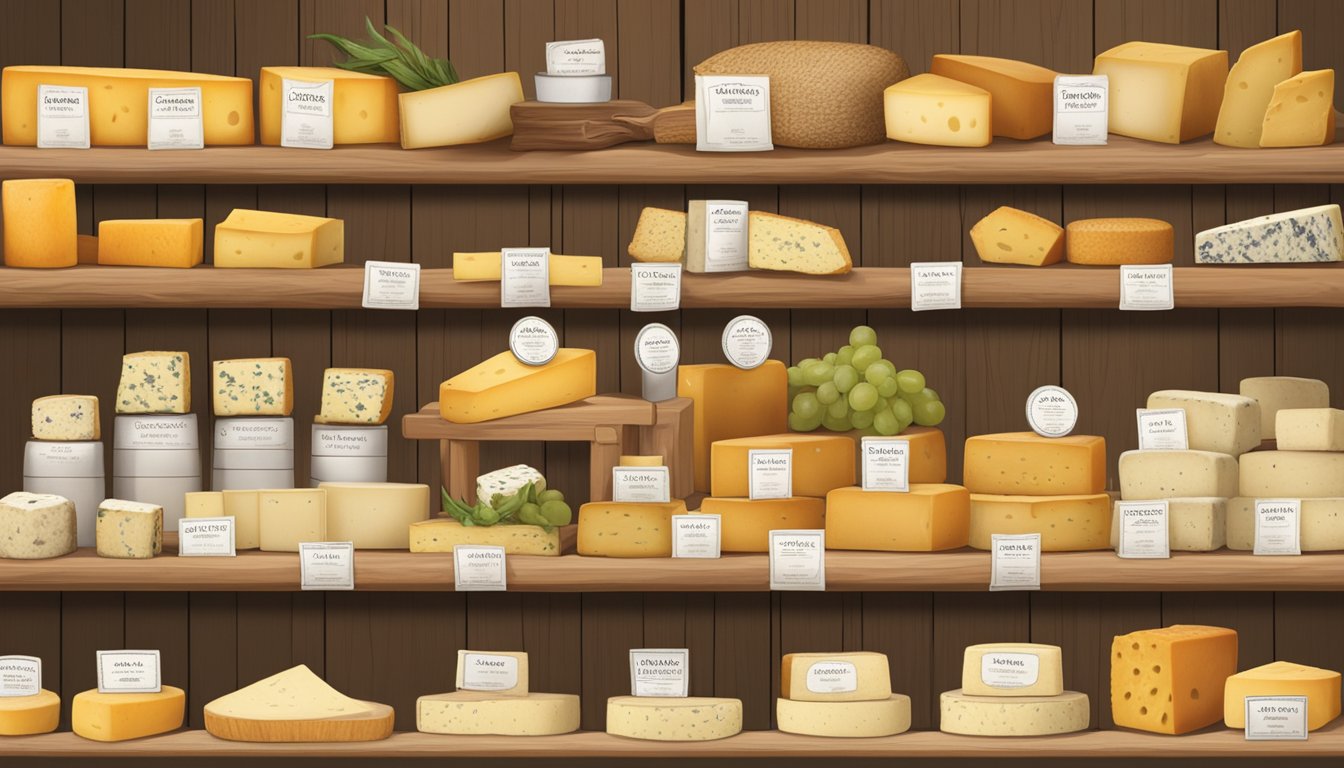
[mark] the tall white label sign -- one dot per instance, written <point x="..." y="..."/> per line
<point x="660" y="672"/>
<point x="306" y="116"/>
<point x="1278" y="527"/>
<point x="935" y="285"/>
<point x="525" y="277"/>
<point x="1015" y="562"/>
<point x="175" y="119"/>
<point x="62" y="117"/>
<point x="1144" y="531"/>
<point x="798" y="560"/>
<point x="1162" y="429"/>
<point x="20" y="676"/>
<point x="128" y="672"/>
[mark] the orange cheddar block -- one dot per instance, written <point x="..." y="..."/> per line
<point x="928" y="453"/>
<point x="627" y="528"/>
<point x="1171" y="680"/>
<point x="745" y="524"/>
<point x="929" y="518"/>
<point x="501" y="386"/>
<point x="1026" y="464"/>
<point x="150" y="243"/>
<point x="821" y="463"/>
<point x="720" y="393"/>
<point x="1021" y="95"/>
<point x="1282" y="678"/>
<point x="122" y="716"/>
<point x="40" y="223"/>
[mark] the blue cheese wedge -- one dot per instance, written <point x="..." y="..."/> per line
<point x="66" y="417"/>
<point x="155" y="382"/>
<point x="356" y="396"/>
<point x="262" y="386"/>
<point x="1305" y="236"/>
<point x="507" y="481"/>
<point x="36" y="526"/>
<point x="129" y="529"/>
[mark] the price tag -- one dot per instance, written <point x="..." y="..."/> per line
<point x="1052" y="411"/>
<point x="1276" y="718"/>
<point x="175" y="119"/>
<point x="696" y="536"/>
<point x="1278" y="527"/>
<point x="660" y="672"/>
<point x="576" y="57"/>
<point x="391" y="285"/>
<point x="935" y="285"/>
<point x="746" y="342"/>
<point x="1146" y="287"/>
<point x="326" y="565"/>
<point x="20" y="676"/>
<point x="1144" y="531"/>
<point x="655" y="287"/>
<point x="62" y="117"/>
<point x="533" y="341"/>
<point x="770" y="473"/>
<point x="798" y="560"/>
<point x="832" y="676"/>
<point x="479" y="569"/>
<point x="525" y="277"/>
<point x="886" y="463"/>
<point x="1162" y="429"/>
<point x="640" y="484"/>
<point x="128" y="672"/>
<point x="206" y="537"/>
<point x="1015" y="562"/>
<point x="305" y="120"/>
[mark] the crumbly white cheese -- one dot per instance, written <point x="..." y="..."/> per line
<point x="34" y="526"/>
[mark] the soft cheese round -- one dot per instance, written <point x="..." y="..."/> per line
<point x="1013" y="716"/>
<point x="693" y="718"/>
<point x="854" y="719"/>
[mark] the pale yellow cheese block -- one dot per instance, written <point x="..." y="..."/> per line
<point x="1250" y="85"/>
<point x="659" y="718"/>
<point x="375" y="515"/>
<point x="122" y="716"/>
<point x="29" y="715"/>
<point x="1283" y="678"/>
<point x="845" y="719"/>
<point x="831" y="677"/>
<point x="150" y="243"/>
<point x="442" y="534"/>
<point x="1012" y="669"/>
<point x="1013" y="716"/>
<point x="1146" y="475"/>
<point x="627" y="529"/>
<point x="478" y="713"/>
<point x="1215" y="421"/>
<point x="1193" y="524"/>
<point x="204" y="504"/>
<point x="931" y="109"/>
<point x="363" y="109"/>
<point x="1310" y="429"/>
<point x="1291" y="474"/>
<point x="268" y="240"/>
<point x="1275" y="393"/>
<point x="290" y="517"/>
<point x="1321" y="524"/>
<point x="469" y="112"/>
<point x="563" y="270"/>
<point x="1162" y="92"/>
<point x="245" y="509"/>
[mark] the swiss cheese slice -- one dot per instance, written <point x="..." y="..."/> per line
<point x="1171" y="680"/>
<point x="931" y="109"/>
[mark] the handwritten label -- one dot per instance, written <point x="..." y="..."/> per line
<point x="726" y="226"/>
<point x="479" y="568"/>
<point x="640" y="484"/>
<point x="886" y="463"/>
<point x="1015" y="562"/>
<point x="175" y="119"/>
<point x="1010" y="670"/>
<point x="732" y="113"/>
<point x="746" y="342"/>
<point x="391" y="285"/>
<point x="488" y="672"/>
<point x="935" y="285"/>
<point x="798" y="560"/>
<point x="525" y="277"/>
<point x="205" y="537"/>
<point x="306" y="116"/>
<point x="62" y="117"/>
<point x="1278" y="528"/>
<point x="660" y="672"/>
<point x="655" y="287"/>
<point x="1146" y="287"/>
<point x="533" y="341"/>
<point x="20" y="676"/>
<point x="128" y="672"/>
<point x="770" y="473"/>
<point x="576" y="57"/>
<point x="696" y="536"/>
<point x="1276" y="718"/>
<point x="831" y="676"/>
<point x="1052" y="411"/>
<point x="326" y="565"/>
<point x="657" y="349"/>
<point x="1144" y="529"/>
<point x="1162" y="429"/>
<point x="1081" y="108"/>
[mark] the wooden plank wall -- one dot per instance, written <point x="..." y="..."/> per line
<point x="984" y="362"/>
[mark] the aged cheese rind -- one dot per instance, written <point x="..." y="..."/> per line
<point x="1162" y="92"/>
<point x="39" y="222"/>
<point x="363" y="108"/>
<point x="479" y="713"/>
<point x="1310" y="429"/>
<point x="845" y="719"/>
<point x="375" y="515"/>
<point x="1214" y="421"/>
<point x="1291" y="475"/>
<point x="927" y="518"/>
<point x="356" y="396"/>
<point x="1013" y="716"/>
<point x="467" y="112"/>
<point x="1283" y="678"/>
<point x="717" y="392"/>
<point x="36" y="526"/>
<point x="786" y="244"/>
<point x="1321" y="524"/>
<point x="870" y="670"/>
<point x="502" y="386"/>
<point x="674" y="719"/>
<point x="660" y="236"/>
<point x="30" y="715"/>
<point x="1049" y="670"/>
<point x="442" y="534"/>
<point x="1024" y="463"/>
<point x="1250" y="86"/>
<point x="1116" y="241"/>
<point x="931" y="109"/>
<point x="1275" y="393"/>
<point x="627" y="529"/>
<point x="1066" y="523"/>
<point x="155" y="382"/>
<point x="1022" y="102"/>
<point x="294" y="694"/>
<point x="123" y="716"/>
<point x="1009" y="236"/>
<point x="261" y="386"/>
<point x="66" y="417"/>
<point x="1304" y="236"/>
<point x="250" y="239"/>
<point x="1171" y="680"/>
<point x="745" y="524"/>
<point x="821" y="463"/>
<point x="1146" y="475"/>
<point x="129" y="529"/>
<point x="1193" y="524"/>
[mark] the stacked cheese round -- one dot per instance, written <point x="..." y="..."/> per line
<point x="691" y="718"/>
<point x="1013" y="689"/>
<point x="840" y="694"/>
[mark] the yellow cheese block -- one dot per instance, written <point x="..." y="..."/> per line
<point x="29" y="715"/>
<point x="259" y="386"/>
<point x="1111" y="242"/>
<point x="122" y="716"/>
<point x="718" y="392"/>
<point x="660" y="236"/>
<point x="1250" y="85"/>
<point x="852" y="676"/>
<point x="375" y="515"/>
<point x="1010" y="236"/>
<point x="1024" y="463"/>
<point x="1066" y="523"/>
<point x="150" y="242"/>
<point x="627" y="529"/>
<point x="290" y="517"/>
<point x="469" y="112"/>
<point x="245" y="509"/>
<point x="1022" y="98"/>
<point x="87" y="249"/>
<point x="821" y="463"/>
<point x="786" y="244"/>
<point x="119" y="103"/>
<point x="39" y="222"/>
<point x="928" y="454"/>
<point x="1171" y="680"/>
<point x="563" y="270"/>
<point x="746" y="524"/>
<point x="1162" y="92"/>
<point x="442" y="534"/>
<point x="1302" y="111"/>
<point x="1283" y="678"/>
<point x="356" y="396"/>
<point x="930" y="517"/>
<point x="268" y="240"/>
<point x="501" y="386"/>
<point x="640" y="461"/>
<point x="363" y="108"/>
<point x="931" y="109"/>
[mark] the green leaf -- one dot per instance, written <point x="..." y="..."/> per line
<point x="401" y="60"/>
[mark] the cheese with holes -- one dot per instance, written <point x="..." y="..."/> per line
<point x="123" y="716"/>
<point x="1010" y="236"/>
<point x="1283" y="678"/>
<point x="119" y="103"/>
<point x="1304" y="236"/>
<point x="930" y="517"/>
<point x="1022" y="100"/>
<point x="250" y="239"/>
<point x="36" y="526"/>
<point x="745" y="524"/>
<point x="1302" y="111"/>
<point x="290" y="517"/>
<point x="363" y="107"/>
<point x="1320" y="524"/>
<point x="1310" y="429"/>
<point x="1012" y="669"/>
<point x="786" y="244"/>
<point x="1171" y="680"/>
<point x="1024" y="463"/>
<point x="245" y="509"/>
<point x="150" y="243"/>
<point x="1291" y="475"/>
<point x="204" y="504"/>
<point x="129" y="529"/>
<point x="660" y="236"/>
<point x="501" y="386"/>
<point x="931" y="109"/>
<point x="294" y="694"/>
<point x="821" y="463"/>
<point x="1112" y="242"/>
<point x="657" y="718"/>
<point x="66" y="417"/>
<point x="561" y="270"/>
<point x="845" y="719"/>
<point x="1193" y="524"/>
<point x="468" y="112"/>
<point x="1066" y="523"/>
<point x="1162" y="92"/>
<point x="1275" y="393"/>
<point x="717" y="392"/>
<point x="442" y="534"/>
<point x="627" y="528"/>
<point x="1146" y="475"/>
<point x="155" y="382"/>
<point x="968" y="715"/>
<point x="1214" y="421"/>
<point x="503" y="673"/>
<point x="476" y="713"/>
<point x="356" y="396"/>
<point x="375" y="515"/>
<point x="261" y="386"/>
<point x="640" y="461"/>
<point x="29" y="715"/>
<point x="39" y="222"/>
<point x="831" y="677"/>
<point x="1250" y="85"/>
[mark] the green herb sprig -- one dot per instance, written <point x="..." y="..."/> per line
<point x="403" y="60"/>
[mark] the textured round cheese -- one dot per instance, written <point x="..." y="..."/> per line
<point x="474" y="712"/>
<point x="27" y="715"/>
<point x="1013" y="716"/>
<point x="861" y="719"/>
<point x="1111" y="242"/>
<point x="657" y="718"/>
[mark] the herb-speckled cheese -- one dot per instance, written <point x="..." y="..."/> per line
<point x="1303" y="236"/>
<point x="794" y="245"/>
<point x="1146" y="475"/>
<point x="262" y="386"/>
<point x="1013" y="715"/>
<point x="356" y="396"/>
<point x="155" y="382"/>
<point x="507" y="481"/>
<point x="442" y="534"/>
<point x="674" y="719"/>
<point x="129" y="529"/>
<point x="852" y="719"/>
<point x="476" y="713"/>
<point x="66" y="417"/>
<point x="35" y="526"/>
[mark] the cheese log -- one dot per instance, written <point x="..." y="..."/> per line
<point x="442" y="534"/>
<point x="746" y="524"/>
<point x="1022" y="98"/>
<point x="1193" y="525"/>
<point x="640" y="461"/>
<point x="846" y="719"/>
<point x="87" y="249"/>
<point x="262" y="386"/>
<point x="469" y="112"/>
<point x="832" y="677"/>
<point x="503" y="673"/>
<point x="821" y="463"/>
<point x="295" y="694"/>
<point x="930" y="517"/>
<point x="291" y="516"/>
<point x="29" y="715"/>
<point x="717" y="392"/>
<point x="250" y="239"/>
<point x="1012" y="669"/>
<point x="122" y="716"/>
<point x="1146" y="475"/>
<point x="1305" y="236"/>
<point x="1214" y="421"/>
<point x="1321" y="524"/>
<point x="1024" y="463"/>
<point x="119" y="103"/>
<point x="36" y="526"/>
<point x="1291" y="475"/>
<point x="150" y="243"/>
<point x="1010" y="236"/>
<point x="1275" y="393"/>
<point x="1066" y="523"/>
<point x="501" y="386"/>
<point x="1112" y="242"/>
<point x="356" y="396"/>
<point x="1283" y="678"/>
<point x="1171" y="680"/>
<point x="375" y="515"/>
<point x="39" y="222"/>
<point x="155" y="382"/>
<point x="1301" y="112"/>
<point x="627" y="529"/>
<point x="786" y="244"/>
<point x="968" y="715"/>
<point x="1162" y="92"/>
<point x="508" y="481"/>
<point x="561" y="270"/>
<point x="931" y="109"/>
<point x="1310" y="429"/>
<point x="66" y="417"/>
<point x="474" y="713"/>
<point x="657" y="718"/>
<point x="660" y="236"/>
<point x="245" y="509"/>
<point x="1250" y="85"/>
<point x="129" y="529"/>
<point x="363" y="107"/>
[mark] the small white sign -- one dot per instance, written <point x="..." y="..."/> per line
<point x="746" y="342"/>
<point x="1146" y="287"/>
<point x="798" y="560"/>
<point x="935" y="285"/>
<point x="205" y="537"/>
<point x="655" y="287"/>
<point x="1052" y="411"/>
<point x="1278" y="527"/>
<point x="128" y="672"/>
<point x="657" y="349"/>
<point x="20" y="676"/>
<point x="175" y="119"/>
<point x="326" y="565"/>
<point x="62" y="117"/>
<point x="391" y="285"/>
<point x="576" y="57"/>
<point x="1276" y="718"/>
<point x="770" y="473"/>
<point x="488" y="672"/>
<point x="732" y="113"/>
<point x="648" y="484"/>
<point x="1162" y="429"/>
<point x="1015" y="562"/>
<point x="306" y="116"/>
<point x="479" y="568"/>
<point x="696" y="536"/>
<point x="726" y="226"/>
<point x="533" y="341"/>
<point x="832" y="676"/>
<point x="660" y="672"/>
<point x="1081" y="103"/>
<point x="1010" y="670"/>
<point x="886" y="463"/>
<point x="525" y="277"/>
<point x="1144" y="529"/>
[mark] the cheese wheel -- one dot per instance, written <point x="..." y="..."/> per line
<point x="1111" y="242"/>
<point x="852" y="719"/>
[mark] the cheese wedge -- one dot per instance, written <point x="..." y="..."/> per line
<point x="501" y="386"/>
<point x="1162" y="92"/>
<point x="478" y="713"/>
<point x="29" y="715"/>
<point x="658" y="718"/>
<point x="1305" y="236"/>
<point x="268" y="240"/>
<point x="1214" y="421"/>
<point x="1026" y="464"/>
<point x="1010" y="236"/>
<point x="821" y="463"/>
<point x="1250" y="86"/>
<point x="468" y="112"/>
<point x="155" y="382"/>
<point x="745" y="524"/>
<point x="1112" y="242"/>
<point x="363" y="108"/>
<point x="845" y="719"/>
<point x="356" y="396"/>
<point x="1022" y="101"/>
<point x="1275" y="393"/>
<point x="931" y="109"/>
<point x="563" y="270"/>
<point x="261" y="386"/>
<point x="627" y="529"/>
<point x="39" y="222"/>
<point x="123" y="716"/>
<point x="442" y="534"/>
<point x="150" y="243"/>
<point x="969" y="715"/>
<point x="1283" y="678"/>
<point x="294" y="694"/>
<point x="717" y="392"/>
<point x="660" y="236"/>
<point x="930" y="517"/>
<point x="786" y="244"/>
<point x="1302" y="111"/>
<point x="66" y="417"/>
<point x="1066" y="523"/>
<point x="1171" y="680"/>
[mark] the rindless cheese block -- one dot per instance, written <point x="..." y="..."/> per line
<point x="204" y="504"/>
<point x="155" y="382"/>
<point x="1066" y="523"/>
<point x="66" y="417"/>
<point x="627" y="529"/>
<point x="786" y="244"/>
<point x="1022" y="100"/>
<point x="718" y="392"/>
<point x="1320" y="524"/>
<point x="501" y="386"/>
<point x="1283" y="678"/>
<point x="468" y="112"/>
<point x="1304" y="236"/>
<point x="253" y="387"/>
<point x="1301" y="112"/>
<point x="1214" y="421"/>
<point x="1275" y="393"/>
<point x="1193" y="524"/>
<point x="830" y="677"/>
<point x="1310" y="429"/>
<point x="1116" y="241"/>
<point x="658" y="718"/>
<point x="29" y="715"/>
<point x="845" y="719"/>
<point x="123" y="716"/>
<point x="928" y="453"/>
<point x="561" y="270"/>
<point x="1291" y="475"/>
<point x="363" y="107"/>
<point x="295" y="706"/>
<point x="1171" y="680"/>
<point x="660" y="236"/>
<point x="356" y="396"/>
<point x="245" y="509"/>
<point x="477" y="713"/>
<point x="931" y="109"/>
<point x="821" y="463"/>
<point x="1162" y="92"/>
<point x="375" y="515"/>
<point x="289" y="517"/>
<point x="503" y="673"/>
<point x="39" y="221"/>
<point x="969" y="715"/>
<point x="745" y="524"/>
<point x="151" y="242"/>
<point x="36" y="526"/>
<point x="442" y="534"/>
<point x="1250" y="85"/>
<point x="1010" y="236"/>
<point x="250" y="239"/>
<point x="1024" y="463"/>
<point x="1012" y="669"/>
<point x="928" y="518"/>
<point x="1148" y="475"/>
<point x="129" y="529"/>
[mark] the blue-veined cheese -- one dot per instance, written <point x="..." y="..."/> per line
<point x="253" y="387"/>
<point x="507" y="481"/>
<point x="155" y="382"/>
<point x="356" y="396"/>
<point x="34" y="526"/>
<point x="129" y="529"/>
<point x="1307" y="235"/>
<point x="66" y="417"/>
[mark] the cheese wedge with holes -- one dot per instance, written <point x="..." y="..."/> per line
<point x="1162" y="92"/>
<point x="1302" y="111"/>
<point x="1171" y="680"/>
<point x="1012" y="669"/>
<point x="1214" y="421"/>
<point x="718" y="392"/>
<point x="36" y="526"/>
<point x="1320" y="525"/>
<point x="821" y="463"/>
<point x="39" y="222"/>
<point x="786" y="244"/>
<point x="930" y="517"/>
<point x="1066" y="523"/>
<point x="658" y="718"/>
<point x="845" y="719"/>
<point x="66" y="417"/>
<point x="442" y="534"/>
<point x="129" y="529"/>
<point x="501" y="386"/>
<point x="123" y="716"/>
<point x="290" y="517"/>
<point x="363" y="107"/>
<point x="931" y="109"/>
<point x="1283" y="678"/>
<point x="29" y="715"/>
<point x="375" y="515"/>
<point x="1010" y="236"/>
<point x="1275" y="393"/>
<point x="1026" y="464"/>
<point x="832" y="677"/>
<point x="477" y="713"/>
<point x="468" y="112"/>
<point x="1022" y="101"/>
<point x="356" y="396"/>
<point x="155" y="382"/>
<point x="745" y="524"/>
<point x="1250" y="86"/>
<point x="968" y="715"/>
<point x="563" y="270"/>
<point x="1193" y="525"/>
<point x="1146" y="475"/>
<point x="261" y="386"/>
<point x="627" y="529"/>
<point x="250" y="239"/>
<point x="173" y="243"/>
<point x="660" y="236"/>
<point x="1116" y="241"/>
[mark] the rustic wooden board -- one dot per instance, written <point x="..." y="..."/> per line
<point x="374" y="725"/>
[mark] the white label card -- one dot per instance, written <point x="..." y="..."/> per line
<point x="798" y="560"/>
<point x="479" y="569"/>
<point x="1146" y="287"/>
<point x="1052" y="411"/>
<point x="306" y="119"/>
<point x="732" y="113"/>
<point x="832" y="677"/>
<point x="576" y="57"/>
<point x="660" y="672"/>
<point x="128" y="672"/>
<point x="657" y="349"/>
<point x="935" y="285"/>
<point x="62" y="117"/>
<point x="1010" y="670"/>
<point x="326" y="565"/>
<point x="1276" y="718"/>
<point x="533" y="341"/>
<point x="1162" y="429"/>
<point x="1144" y="530"/>
<point x="727" y="223"/>
<point x="655" y="287"/>
<point x="205" y="537"/>
<point x="525" y="277"/>
<point x="770" y="473"/>
<point x="746" y="342"/>
<point x="1015" y="562"/>
<point x="640" y="484"/>
<point x="391" y="285"/>
<point x="696" y="536"/>
<point x="1081" y="109"/>
<point x="1278" y="527"/>
<point x="20" y="676"/>
<point x="886" y="464"/>
<point x="489" y="672"/>
<point x="175" y="119"/>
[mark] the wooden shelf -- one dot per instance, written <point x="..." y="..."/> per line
<point x="1123" y="161"/>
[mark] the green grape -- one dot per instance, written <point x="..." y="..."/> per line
<point x="862" y="335"/>
<point x="901" y="425"/>
<point x="861" y="419"/>
<point x="863" y="396"/>
<point x="799" y="424"/>
<point x="845" y="377"/>
<point x="806" y="405"/>
<point x="865" y="356"/>
<point x="818" y="373"/>
<point x="930" y="414"/>
<point x="929" y="394"/>
<point x="806" y="361"/>
<point x="829" y="357"/>
<point x="550" y="494"/>
<point x="827" y="393"/>
<point x="844" y="355"/>
<point x="882" y="404"/>
<point x="888" y="388"/>
<point x="916" y="398"/>
<point x="836" y="425"/>
<point x="910" y="380"/>
<point x="903" y="412"/>
<point x="879" y="372"/>
<point x="838" y="410"/>
<point x="795" y="376"/>
<point x="557" y="512"/>
<point x="885" y="423"/>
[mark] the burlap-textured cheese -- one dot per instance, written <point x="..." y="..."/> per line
<point x="823" y="95"/>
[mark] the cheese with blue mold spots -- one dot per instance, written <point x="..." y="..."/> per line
<point x="507" y="481"/>
<point x="1308" y="235"/>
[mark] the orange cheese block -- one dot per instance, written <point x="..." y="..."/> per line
<point x="1010" y="236"/>
<point x="40" y="223"/>
<point x="745" y="524"/>
<point x="122" y="716"/>
<point x="930" y="517"/>
<point x="1065" y="523"/>
<point x="150" y="242"/>
<point x="501" y="386"/>
<point x="28" y="715"/>
<point x="1021" y="95"/>
<point x="1171" y="680"/>
<point x="1281" y="678"/>
<point x="1026" y="464"/>
<point x="821" y="463"/>
<point x="719" y="393"/>
<point x="627" y="528"/>
<point x="928" y="453"/>
<point x="1112" y="242"/>
<point x="363" y="108"/>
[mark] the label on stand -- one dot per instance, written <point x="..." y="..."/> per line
<point x="1010" y="670"/>
<point x="20" y="676"/>
<point x="696" y="536"/>
<point x="655" y="287"/>
<point x="935" y="285"/>
<point x="1162" y="429"/>
<point x="1144" y="531"/>
<point x="645" y="484"/>
<point x="306" y="117"/>
<point x="205" y="537"/>
<point x="391" y="285"/>
<point x="660" y="672"/>
<point x="175" y="119"/>
<point x="732" y="113"/>
<point x="479" y="568"/>
<point x="62" y="117"/>
<point x="770" y="473"/>
<point x="533" y="341"/>
<point x="327" y="565"/>
<point x="886" y="463"/>
<point x="525" y="277"/>
<point x="488" y="672"/>
<point x="798" y="560"/>
<point x="1015" y="562"/>
<point x="128" y="672"/>
<point x="576" y="57"/>
<point x="1146" y="287"/>
<point x="746" y="342"/>
<point x="1278" y="528"/>
<point x="1081" y="109"/>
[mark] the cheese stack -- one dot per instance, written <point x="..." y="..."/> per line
<point x="66" y="418"/>
<point x="840" y="694"/>
<point x="1013" y="689"/>
<point x="65" y="456"/>
<point x="156" y="456"/>
<point x="492" y="698"/>
<point x="668" y="716"/>
<point x="1171" y="680"/>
